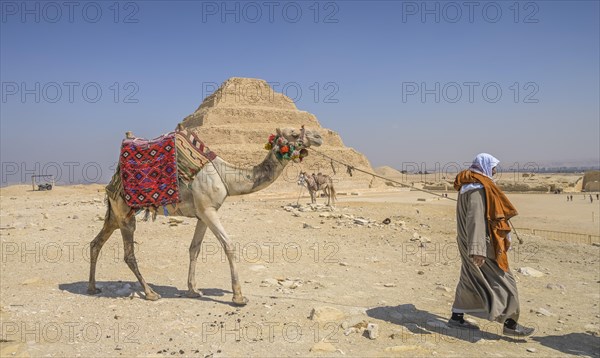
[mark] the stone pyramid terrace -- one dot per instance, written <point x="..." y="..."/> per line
<point x="236" y="120"/>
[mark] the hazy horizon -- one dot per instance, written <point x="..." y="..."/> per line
<point x="401" y="82"/>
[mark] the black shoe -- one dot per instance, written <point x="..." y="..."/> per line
<point x="461" y="324"/>
<point x="518" y="331"/>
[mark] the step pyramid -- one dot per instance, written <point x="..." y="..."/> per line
<point x="236" y="120"/>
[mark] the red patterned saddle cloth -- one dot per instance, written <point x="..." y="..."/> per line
<point x="149" y="171"/>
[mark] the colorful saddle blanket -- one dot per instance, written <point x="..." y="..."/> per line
<point x="150" y="170"/>
<point x="192" y="155"/>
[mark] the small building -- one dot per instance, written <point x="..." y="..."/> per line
<point x="591" y="181"/>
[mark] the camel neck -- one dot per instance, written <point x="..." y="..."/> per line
<point x="240" y="181"/>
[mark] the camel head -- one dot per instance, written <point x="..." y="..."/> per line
<point x="291" y="143"/>
<point x="294" y="135"/>
<point x="302" y="178"/>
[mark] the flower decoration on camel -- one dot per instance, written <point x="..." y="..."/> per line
<point x="284" y="149"/>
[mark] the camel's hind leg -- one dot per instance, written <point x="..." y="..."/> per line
<point x="110" y="225"/>
<point x="194" y="250"/>
<point x="127" y="230"/>
<point x="327" y="194"/>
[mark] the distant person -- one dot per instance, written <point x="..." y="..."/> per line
<point x="567" y="198"/>
<point x="571" y="197"/>
<point x="591" y="199"/>
<point x="597" y="196"/>
<point x="486" y="287"/>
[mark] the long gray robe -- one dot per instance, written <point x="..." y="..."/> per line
<point x="486" y="292"/>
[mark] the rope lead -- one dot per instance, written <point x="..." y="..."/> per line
<point x="350" y="168"/>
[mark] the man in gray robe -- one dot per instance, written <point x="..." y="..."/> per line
<point x="484" y="289"/>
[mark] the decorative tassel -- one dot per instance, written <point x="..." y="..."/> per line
<point x="165" y="211"/>
<point x="147" y="214"/>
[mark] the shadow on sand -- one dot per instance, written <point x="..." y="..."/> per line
<point x="118" y="289"/>
<point x="420" y="326"/>
<point x="577" y="344"/>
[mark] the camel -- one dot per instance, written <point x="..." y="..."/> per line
<point x="201" y="200"/>
<point x="315" y="183"/>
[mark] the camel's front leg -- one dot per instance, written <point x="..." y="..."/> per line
<point x="210" y="217"/>
<point x="194" y="250"/>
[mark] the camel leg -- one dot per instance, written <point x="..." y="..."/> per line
<point x="210" y="217"/>
<point x="110" y="225"/>
<point x="194" y="250"/>
<point x="127" y="231"/>
<point x="332" y="189"/>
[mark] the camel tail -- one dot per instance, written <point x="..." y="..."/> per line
<point x="108" y="208"/>
<point x="112" y="191"/>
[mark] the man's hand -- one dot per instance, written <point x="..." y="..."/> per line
<point x="478" y="260"/>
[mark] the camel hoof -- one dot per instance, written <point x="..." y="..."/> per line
<point x="152" y="296"/>
<point x="193" y="294"/>
<point x="240" y="301"/>
<point x="93" y="291"/>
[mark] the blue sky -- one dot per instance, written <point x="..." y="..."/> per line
<point x="372" y="61"/>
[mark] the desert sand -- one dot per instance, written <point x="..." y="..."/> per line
<point x="315" y="279"/>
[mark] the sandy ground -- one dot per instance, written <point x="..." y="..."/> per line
<point x="400" y="277"/>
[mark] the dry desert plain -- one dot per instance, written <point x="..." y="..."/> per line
<point x="315" y="278"/>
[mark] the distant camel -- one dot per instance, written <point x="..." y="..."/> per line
<point x="315" y="183"/>
<point x="201" y="200"/>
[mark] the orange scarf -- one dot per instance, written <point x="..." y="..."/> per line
<point x="498" y="211"/>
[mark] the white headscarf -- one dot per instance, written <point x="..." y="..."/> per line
<point x="482" y="164"/>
